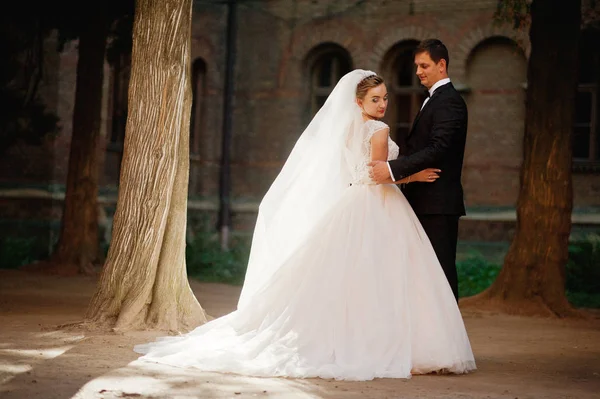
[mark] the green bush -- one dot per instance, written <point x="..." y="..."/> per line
<point x="475" y="274"/>
<point x="583" y="267"/>
<point x="17" y="251"/>
<point x="583" y="272"/>
<point x="206" y="260"/>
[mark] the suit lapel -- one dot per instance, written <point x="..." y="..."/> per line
<point x="418" y="116"/>
<point x="428" y="104"/>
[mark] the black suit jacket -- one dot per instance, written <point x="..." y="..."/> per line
<point x="436" y="140"/>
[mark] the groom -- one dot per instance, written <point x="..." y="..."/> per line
<point x="436" y="140"/>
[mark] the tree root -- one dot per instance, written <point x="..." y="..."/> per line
<point x="534" y="307"/>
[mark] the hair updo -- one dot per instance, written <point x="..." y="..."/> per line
<point x="366" y="84"/>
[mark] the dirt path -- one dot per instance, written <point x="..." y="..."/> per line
<point x="516" y="357"/>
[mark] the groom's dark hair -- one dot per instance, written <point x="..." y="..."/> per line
<point x="436" y="49"/>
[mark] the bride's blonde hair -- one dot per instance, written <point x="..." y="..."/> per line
<point x="366" y="84"/>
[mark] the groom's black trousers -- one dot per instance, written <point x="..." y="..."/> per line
<point x="442" y="231"/>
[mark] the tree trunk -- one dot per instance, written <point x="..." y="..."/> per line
<point x="144" y="281"/>
<point x="532" y="280"/>
<point x="78" y="246"/>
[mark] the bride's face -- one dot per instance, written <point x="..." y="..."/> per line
<point x="375" y="102"/>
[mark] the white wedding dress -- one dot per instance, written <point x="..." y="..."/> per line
<point x="360" y="295"/>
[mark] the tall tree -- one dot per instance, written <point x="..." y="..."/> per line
<point x="78" y="243"/>
<point x="144" y="281"/>
<point x="532" y="279"/>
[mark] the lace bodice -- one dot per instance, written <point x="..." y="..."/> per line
<point x="361" y="175"/>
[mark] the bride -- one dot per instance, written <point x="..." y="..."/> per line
<point x="342" y="281"/>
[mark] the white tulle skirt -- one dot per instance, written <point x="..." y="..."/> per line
<point x="364" y="297"/>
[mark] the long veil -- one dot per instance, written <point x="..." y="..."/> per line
<point x="312" y="180"/>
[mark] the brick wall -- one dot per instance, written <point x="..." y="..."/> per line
<point x="496" y="73"/>
<point x="272" y="89"/>
<point x="272" y="83"/>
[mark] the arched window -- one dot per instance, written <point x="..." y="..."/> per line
<point x="586" y="132"/>
<point x="495" y="72"/>
<point x="405" y="90"/>
<point x="198" y="104"/>
<point x="326" y="63"/>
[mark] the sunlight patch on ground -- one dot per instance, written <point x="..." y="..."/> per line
<point x="21" y="353"/>
<point x="9" y="371"/>
<point x="16" y="361"/>
<point x="36" y="353"/>
<point x="151" y="380"/>
<point x="60" y="335"/>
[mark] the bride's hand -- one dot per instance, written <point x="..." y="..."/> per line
<point x="428" y="175"/>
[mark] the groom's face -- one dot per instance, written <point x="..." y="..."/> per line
<point x="428" y="71"/>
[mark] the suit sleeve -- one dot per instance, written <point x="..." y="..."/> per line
<point x="447" y="123"/>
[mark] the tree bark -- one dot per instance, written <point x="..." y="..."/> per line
<point x="144" y="281"/>
<point x="78" y="246"/>
<point x="532" y="279"/>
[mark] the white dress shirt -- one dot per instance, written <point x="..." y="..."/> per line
<point x="433" y="88"/>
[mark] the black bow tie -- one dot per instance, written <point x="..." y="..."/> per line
<point x="426" y="93"/>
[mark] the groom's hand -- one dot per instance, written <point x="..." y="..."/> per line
<point x="379" y="171"/>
